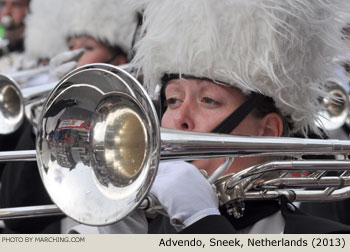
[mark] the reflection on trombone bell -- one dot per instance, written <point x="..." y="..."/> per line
<point x="99" y="145"/>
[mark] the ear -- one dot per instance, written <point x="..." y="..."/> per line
<point x="271" y="125"/>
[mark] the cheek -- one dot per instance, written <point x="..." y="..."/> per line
<point x="88" y="58"/>
<point x="103" y="54"/>
<point x="167" y="122"/>
<point x="85" y="59"/>
<point x="18" y="15"/>
<point x="95" y="56"/>
<point x="209" y="120"/>
<point x="248" y="127"/>
<point x="204" y="120"/>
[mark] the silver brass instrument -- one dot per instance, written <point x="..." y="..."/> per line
<point x="13" y="99"/>
<point x="17" y="103"/>
<point x="24" y="75"/>
<point x="99" y="144"/>
<point x="336" y="106"/>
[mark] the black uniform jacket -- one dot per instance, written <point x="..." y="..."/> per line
<point x="334" y="210"/>
<point x="21" y="185"/>
<point x="296" y="221"/>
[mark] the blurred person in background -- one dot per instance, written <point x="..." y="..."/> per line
<point x="93" y="37"/>
<point x="12" y="16"/>
<point x="43" y="39"/>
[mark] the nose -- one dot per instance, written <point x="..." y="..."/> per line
<point x="184" y="117"/>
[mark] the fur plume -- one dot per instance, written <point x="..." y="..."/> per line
<point x="345" y="18"/>
<point x="282" y="49"/>
<point x="43" y="37"/>
<point x="110" y="21"/>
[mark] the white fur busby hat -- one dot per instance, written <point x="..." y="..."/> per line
<point x="345" y="17"/>
<point x="109" y="21"/>
<point x="43" y="32"/>
<point x="282" y="49"/>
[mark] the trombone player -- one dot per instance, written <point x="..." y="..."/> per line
<point x="235" y="67"/>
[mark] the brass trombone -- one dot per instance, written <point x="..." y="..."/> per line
<point x="99" y="144"/>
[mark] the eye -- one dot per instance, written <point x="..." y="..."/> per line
<point x="208" y="100"/>
<point x="18" y="4"/>
<point x="89" y="48"/>
<point x="171" y="101"/>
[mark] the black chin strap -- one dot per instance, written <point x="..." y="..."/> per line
<point x="237" y="116"/>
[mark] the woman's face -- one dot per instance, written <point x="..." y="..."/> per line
<point x="95" y="52"/>
<point x="201" y="105"/>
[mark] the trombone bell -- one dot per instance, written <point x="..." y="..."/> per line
<point x="336" y="106"/>
<point x="98" y="144"/>
<point x="11" y="110"/>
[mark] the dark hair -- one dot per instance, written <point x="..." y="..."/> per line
<point x="268" y="106"/>
<point x="117" y="51"/>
